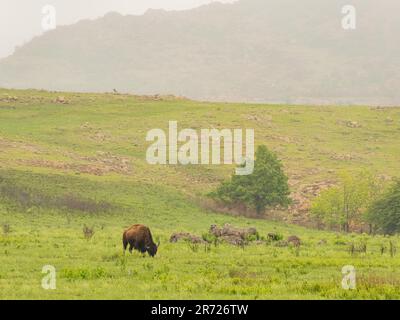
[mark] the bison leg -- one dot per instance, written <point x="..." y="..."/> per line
<point x="125" y="243"/>
<point x="131" y="246"/>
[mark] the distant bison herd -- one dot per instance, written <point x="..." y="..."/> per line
<point x="139" y="238"/>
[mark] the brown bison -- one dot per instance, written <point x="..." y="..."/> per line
<point x="139" y="238"/>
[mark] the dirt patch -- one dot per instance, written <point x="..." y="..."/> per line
<point x="107" y="161"/>
<point x="300" y="208"/>
<point x="9" y="144"/>
<point x="99" y="165"/>
<point x="94" y="134"/>
<point x="345" y="157"/>
<point x="263" y="118"/>
<point x="58" y="165"/>
<point x="100" y="136"/>
<point x="285" y="139"/>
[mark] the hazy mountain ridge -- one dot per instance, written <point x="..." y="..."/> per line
<point x="252" y="50"/>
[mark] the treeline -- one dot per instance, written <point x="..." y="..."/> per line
<point x="360" y="198"/>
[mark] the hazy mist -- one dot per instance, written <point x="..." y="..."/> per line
<point x="285" y="51"/>
<point x="20" y="20"/>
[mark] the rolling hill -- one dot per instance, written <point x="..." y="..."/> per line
<point x="79" y="160"/>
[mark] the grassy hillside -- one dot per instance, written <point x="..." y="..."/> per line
<point x="63" y="166"/>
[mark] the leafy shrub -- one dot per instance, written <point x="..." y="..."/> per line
<point x="266" y="187"/>
<point x="346" y="203"/>
<point x="384" y="213"/>
<point x="211" y="239"/>
<point x="274" y="237"/>
<point x="252" y="237"/>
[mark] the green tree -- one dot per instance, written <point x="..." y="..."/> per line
<point x="328" y="207"/>
<point x="346" y="203"/>
<point x="384" y="213"/>
<point x="266" y="187"/>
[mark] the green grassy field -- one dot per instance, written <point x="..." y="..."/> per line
<point x="63" y="166"/>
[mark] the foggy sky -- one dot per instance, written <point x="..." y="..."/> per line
<point x="20" y="20"/>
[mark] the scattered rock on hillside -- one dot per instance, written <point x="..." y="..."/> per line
<point x="98" y="165"/>
<point x="294" y="240"/>
<point x="158" y="97"/>
<point x="353" y="124"/>
<point x="344" y="157"/>
<point x="10" y="144"/>
<point x="232" y="235"/>
<point x="8" y="98"/>
<point x="234" y="240"/>
<point x="389" y="120"/>
<point x="252" y="117"/>
<point x="86" y="125"/>
<point x="185" y="236"/>
<point x="349" y="123"/>
<point x="301" y="199"/>
<point x="265" y="118"/>
<point x="316" y="188"/>
<point x="227" y="231"/>
<point x="61" y="100"/>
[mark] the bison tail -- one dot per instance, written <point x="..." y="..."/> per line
<point x="124" y="241"/>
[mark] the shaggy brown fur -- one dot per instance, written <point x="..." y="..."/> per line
<point x="139" y="238"/>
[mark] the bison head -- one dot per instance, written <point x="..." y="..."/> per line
<point x="152" y="249"/>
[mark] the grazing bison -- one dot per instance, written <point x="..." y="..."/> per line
<point x="139" y="238"/>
